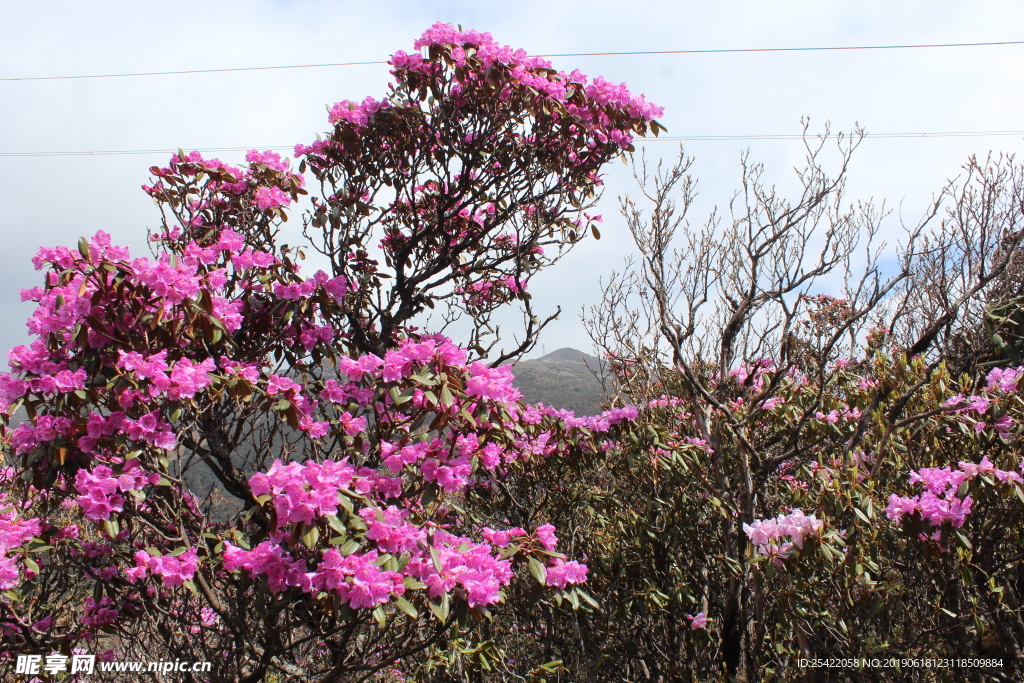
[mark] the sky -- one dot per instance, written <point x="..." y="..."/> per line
<point x="51" y="199"/>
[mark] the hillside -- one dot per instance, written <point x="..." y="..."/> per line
<point x="560" y="379"/>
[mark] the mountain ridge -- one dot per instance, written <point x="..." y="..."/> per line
<point x="561" y="379"/>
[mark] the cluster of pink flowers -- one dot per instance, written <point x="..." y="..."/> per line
<point x="666" y="401"/>
<point x="304" y="493"/>
<point x="768" y="534"/>
<point x="172" y="283"/>
<point x="27" y="436"/>
<point x="181" y="380"/>
<point x="978" y="404"/>
<point x="846" y="413"/>
<point x="270" y="158"/>
<point x="1004" y="379"/>
<point x="14" y="532"/>
<point x="534" y="72"/>
<point x="97" y="614"/>
<point x="267" y="198"/>
<point x="149" y="427"/>
<point x="940" y="503"/>
<point x="560" y="573"/>
<point x="753" y="374"/>
<point x="356" y="113"/>
<point x="267" y="172"/>
<point x="391" y="530"/>
<point x="357" y="579"/>
<point x="336" y="287"/>
<point x="463" y="563"/>
<point x="98" y="489"/>
<point x="175" y="570"/>
<point x="484" y="292"/>
<point x="973" y="409"/>
<point x="273" y="561"/>
<point x="492" y="383"/>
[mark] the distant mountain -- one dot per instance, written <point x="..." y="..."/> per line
<point x="561" y="379"/>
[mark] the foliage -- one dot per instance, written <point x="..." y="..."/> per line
<point x="348" y="437"/>
<point x="807" y="476"/>
<point x="811" y="476"/>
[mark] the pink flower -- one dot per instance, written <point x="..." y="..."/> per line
<point x="979" y="404"/>
<point x="697" y="621"/>
<point x="899" y="506"/>
<point x="560" y="573"/>
<point x="1004" y="379"/>
<point x="269" y="158"/>
<point x="546" y="535"/>
<point x="271" y="197"/>
<point x="9" y="577"/>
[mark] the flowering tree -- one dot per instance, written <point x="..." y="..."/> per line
<point x="346" y="438"/>
<point x="811" y="476"/>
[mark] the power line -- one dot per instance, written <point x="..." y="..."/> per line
<point x="946" y="134"/>
<point x="114" y="152"/>
<point x="566" y="54"/>
<point x="664" y="138"/>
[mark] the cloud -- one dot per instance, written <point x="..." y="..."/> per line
<point x="53" y="200"/>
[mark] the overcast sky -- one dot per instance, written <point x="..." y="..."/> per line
<point x="48" y="200"/>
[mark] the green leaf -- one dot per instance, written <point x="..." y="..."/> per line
<point x="335" y="523"/>
<point x="589" y="600"/>
<point x="441" y="611"/>
<point x="406" y="607"/>
<point x="436" y="559"/>
<point x="413" y="584"/>
<point x="310" y="538"/>
<point x="551" y="667"/>
<point x="538" y="571"/>
<point x="964" y="541"/>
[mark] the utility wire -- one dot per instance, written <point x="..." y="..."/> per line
<point x="566" y="54"/>
<point x="638" y="140"/>
<point x="947" y="134"/>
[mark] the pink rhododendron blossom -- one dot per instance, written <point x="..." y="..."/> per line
<point x="941" y="500"/>
<point x="697" y="621"/>
<point x="271" y="197"/>
<point x="1004" y="379"/>
<point x="546" y="536"/>
<point x="560" y="573"/>
<point x="9" y="576"/>
<point x="269" y="158"/>
<point x="768" y="534"/>
<point x="357" y="579"/>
